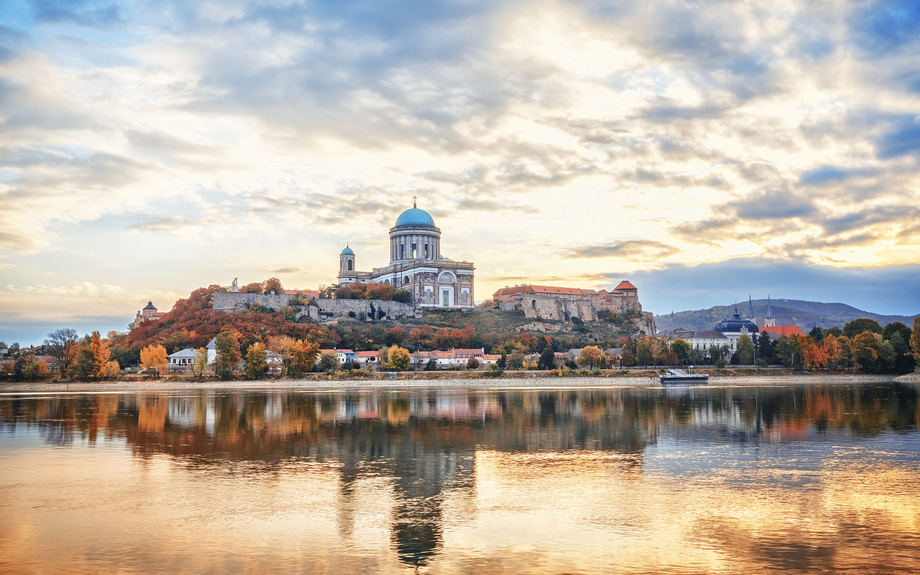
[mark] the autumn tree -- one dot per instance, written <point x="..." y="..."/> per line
<point x="398" y="358"/>
<point x="256" y="361"/>
<point x="590" y="356"/>
<point x="283" y="346"/>
<point x="472" y="363"/>
<point x="272" y="285"/>
<point x="515" y="360"/>
<point x="395" y="336"/>
<point x="682" y="349"/>
<point x="111" y="370"/>
<point x="201" y="367"/>
<point x="627" y="358"/>
<point x="228" y="353"/>
<point x="865" y="348"/>
<point x="154" y="356"/>
<point x="303" y="357"/>
<point x="669" y="358"/>
<point x="255" y="287"/>
<point x="100" y="349"/>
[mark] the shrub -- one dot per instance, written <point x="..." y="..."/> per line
<point x="720" y="364"/>
<point x="760" y="362"/>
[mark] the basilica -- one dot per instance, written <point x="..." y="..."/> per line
<point x="416" y="265"/>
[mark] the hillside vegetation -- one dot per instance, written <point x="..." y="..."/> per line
<point x="804" y="314"/>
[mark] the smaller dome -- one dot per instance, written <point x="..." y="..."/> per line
<point x="735" y="324"/>
<point x="414" y="217"/>
<point x="347" y="251"/>
<point x="150" y="306"/>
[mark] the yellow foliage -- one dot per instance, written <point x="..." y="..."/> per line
<point x="154" y="356"/>
<point x="111" y="369"/>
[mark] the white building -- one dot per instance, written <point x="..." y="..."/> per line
<point x="416" y="265"/>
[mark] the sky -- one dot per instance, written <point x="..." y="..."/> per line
<point x="704" y="150"/>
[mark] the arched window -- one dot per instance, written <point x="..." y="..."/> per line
<point x="350" y="265"/>
<point x="405" y="280"/>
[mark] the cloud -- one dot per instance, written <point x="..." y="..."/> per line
<point x="290" y="270"/>
<point x="630" y="250"/>
<point x="903" y="140"/>
<point x="82" y="13"/>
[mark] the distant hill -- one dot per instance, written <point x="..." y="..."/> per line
<point x="804" y="314"/>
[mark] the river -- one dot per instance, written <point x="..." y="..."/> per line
<point x="720" y="479"/>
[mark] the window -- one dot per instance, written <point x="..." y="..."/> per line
<point x="350" y="265"/>
<point x="414" y="251"/>
<point x="405" y="280"/>
<point x="402" y="251"/>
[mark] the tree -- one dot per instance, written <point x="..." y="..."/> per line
<point x="648" y="351"/>
<point x="682" y="349"/>
<point x="228" y="353"/>
<point x="63" y="345"/>
<point x="669" y="358"/>
<point x="154" y="356"/>
<point x="816" y="334"/>
<point x="904" y="360"/>
<point x="256" y="363"/>
<point x="84" y="368"/>
<point x="201" y="367"/>
<point x="111" y="370"/>
<point x="590" y="356"/>
<point x="328" y="362"/>
<point x="865" y="348"/>
<point x="515" y="360"/>
<point x="100" y="349"/>
<point x="273" y="285"/>
<point x="764" y="346"/>
<point x="915" y="340"/>
<point x="745" y="350"/>
<point x="472" y="363"/>
<point x="402" y="296"/>
<point x="853" y="328"/>
<point x="627" y="358"/>
<point x="398" y="358"/>
<point x="715" y="352"/>
<point x="394" y="336"/>
<point x="303" y="357"/>
<point x="546" y="358"/>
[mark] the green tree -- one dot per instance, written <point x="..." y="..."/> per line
<point x="865" y="348"/>
<point x="817" y="334"/>
<point x="84" y="367"/>
<point x="682" y="349"/>
<point x="896" y="327"/>
<point x="648" y="351"/>
<point x="745" y="350"/>
<point x="858" y="326"/>
<point x="764" y="346"/>
<point x="915" y="340"/>
<point x="547" y="358"/>
<point x="904" y="360"/>
<point x="256" y="361"/>
<point x="228" y="353"/>
<point x="402" y="296"/>
<point x="515" y="360"/>
<point x="328" y="362"/>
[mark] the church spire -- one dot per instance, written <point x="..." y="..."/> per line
<point x="750" y="308"/>
<point x="769" y="321"/>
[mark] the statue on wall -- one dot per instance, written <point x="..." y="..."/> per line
<point x="234" y="288"/>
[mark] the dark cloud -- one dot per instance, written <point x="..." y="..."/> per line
<point x="630" y="250"/>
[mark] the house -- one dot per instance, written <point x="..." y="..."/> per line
<point x="182" y="360"/>
<point x="462" y="356"/>
<point x="4" y="351"/>
<point x="441" y="358"/>
<point x="212" y="350"/>
<point x="342" y="355"/>
<point x="366" y="358"/>
<point x="490" y="359"/>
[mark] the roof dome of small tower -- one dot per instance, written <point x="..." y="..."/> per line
<point x="150" y="306"/>
<point x="347" y="251"/>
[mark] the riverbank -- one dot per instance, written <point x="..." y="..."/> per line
<point x="412" y="380"/>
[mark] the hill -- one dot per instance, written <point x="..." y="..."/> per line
<point x="804" y="314"/>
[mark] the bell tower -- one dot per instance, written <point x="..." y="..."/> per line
<point x="347" y="272"/>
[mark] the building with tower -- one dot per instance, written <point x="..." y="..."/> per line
<point x="416" y="265"/>
<point x="769" y="321"/>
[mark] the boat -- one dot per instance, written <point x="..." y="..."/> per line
<point x="681" y="376"/>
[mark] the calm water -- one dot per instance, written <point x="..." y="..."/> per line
<point x="685" y="480"/>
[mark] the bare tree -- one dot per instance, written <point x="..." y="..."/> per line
<point x="62" y="344"/>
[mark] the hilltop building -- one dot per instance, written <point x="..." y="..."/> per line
<point x="566" y="303"/>
<point x="149" y="313"/>
<point x="416" y="265"/>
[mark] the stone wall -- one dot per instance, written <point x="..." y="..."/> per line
<point x="563" y="309"/>
<point x="243" y="301"/>
<point x="333" y="308"/>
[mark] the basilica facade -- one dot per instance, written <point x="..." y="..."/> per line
<point x="416" y="265"/>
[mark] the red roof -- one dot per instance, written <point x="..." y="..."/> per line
<point x="783" y="330"/>
<point x="368" y="354"/>
<point x="625" y="285"/>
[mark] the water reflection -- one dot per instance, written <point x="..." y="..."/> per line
<point x="698" y="479"/>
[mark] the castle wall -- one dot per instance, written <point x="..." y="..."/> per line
<point x="243" y="301"/>
<point x="324" y="308"/>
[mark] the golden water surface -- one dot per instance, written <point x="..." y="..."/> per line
<point x="623" y="480"/>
